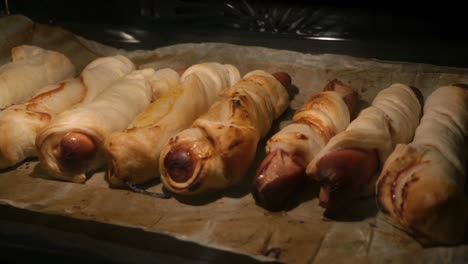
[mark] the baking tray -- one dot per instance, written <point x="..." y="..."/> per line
<point x="227" y="226"/>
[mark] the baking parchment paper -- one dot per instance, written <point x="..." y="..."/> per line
<point x="231" y="220"/>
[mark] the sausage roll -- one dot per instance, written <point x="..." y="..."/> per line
<point x="291" y="149"/>
<point x="72" y="144"/>
<point x="134" y="154"/>
<point x="421" y="186"/>
<point x="31" y="69"/>
<point x="220" y="146"/>
<point x="347" y="166"/>
<point x="20" y="124"/>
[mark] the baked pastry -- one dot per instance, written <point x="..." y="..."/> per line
<point x="72" y="144"/>
<point x="348" y="165"/>
<point x="134" y="154"/>
<point x="292" y="148"/>
<point x="20" y="123"/>
<point x="220" y="146"/>
<point x="31" y="69"/>
<point x="421" y="187"/>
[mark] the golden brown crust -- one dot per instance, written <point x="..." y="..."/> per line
<point x="348" y="94"/>
<point x="134" y="154"/>
<point x="317" y="125"/>
<point x="74" y="149"/>
<point x="349" y="163"/>
<point x="292" y="148"/>
<point x="343" y="174"/>
<point x="430" y="208"/>
<point x="277" y="178"/>
<point x="421" y="186"/>
<point x="31" y="69"/>
<point x="221" y="144"/>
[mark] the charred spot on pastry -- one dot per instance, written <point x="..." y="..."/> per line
<point x="397" y="209"/>
<point x="315" y="124"/>
<point x="180" y="164"/>
<point x="236" y="103"/>
<point x="404" y="194"/>
<point x="173" y="140"/>
<point x="301" y="136"/>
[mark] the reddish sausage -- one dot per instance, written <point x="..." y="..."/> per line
<point x="277" y="178"/>
<point x="75" y="148"/>
<point x="180" y="163"/>
<point x="347" y="93"/>
<point x="343" y="174"/>
<point x="281" y="172"/>
<point x="181" y="71"/>
<point x="283" y="78"/>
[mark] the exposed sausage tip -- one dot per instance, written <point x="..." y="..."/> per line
<point x="343" y="174"/>
<point x="179" y="164"/>
<point x="181" y="71"/>
<point x="283" y="78"/>
<point x="347" y="93"/>
<point x="76" y="146"/>
<point x="277" y="178"/>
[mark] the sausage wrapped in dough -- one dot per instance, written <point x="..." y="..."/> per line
<point x="31" y="69"/>
<point x="134" y="154"/>
<point x="72" y="144"/>
<point x="421" y="186"/>
<point x="220" y="146"/>
<point x="348" y="164"/>
<point x="291" y="149"/>
<point x="20" y="124"/>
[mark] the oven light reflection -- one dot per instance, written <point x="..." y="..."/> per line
<point x="128" y="38"/>
<point x="326" y="38"/>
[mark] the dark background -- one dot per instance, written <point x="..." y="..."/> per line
<point x="427" y="32"/>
